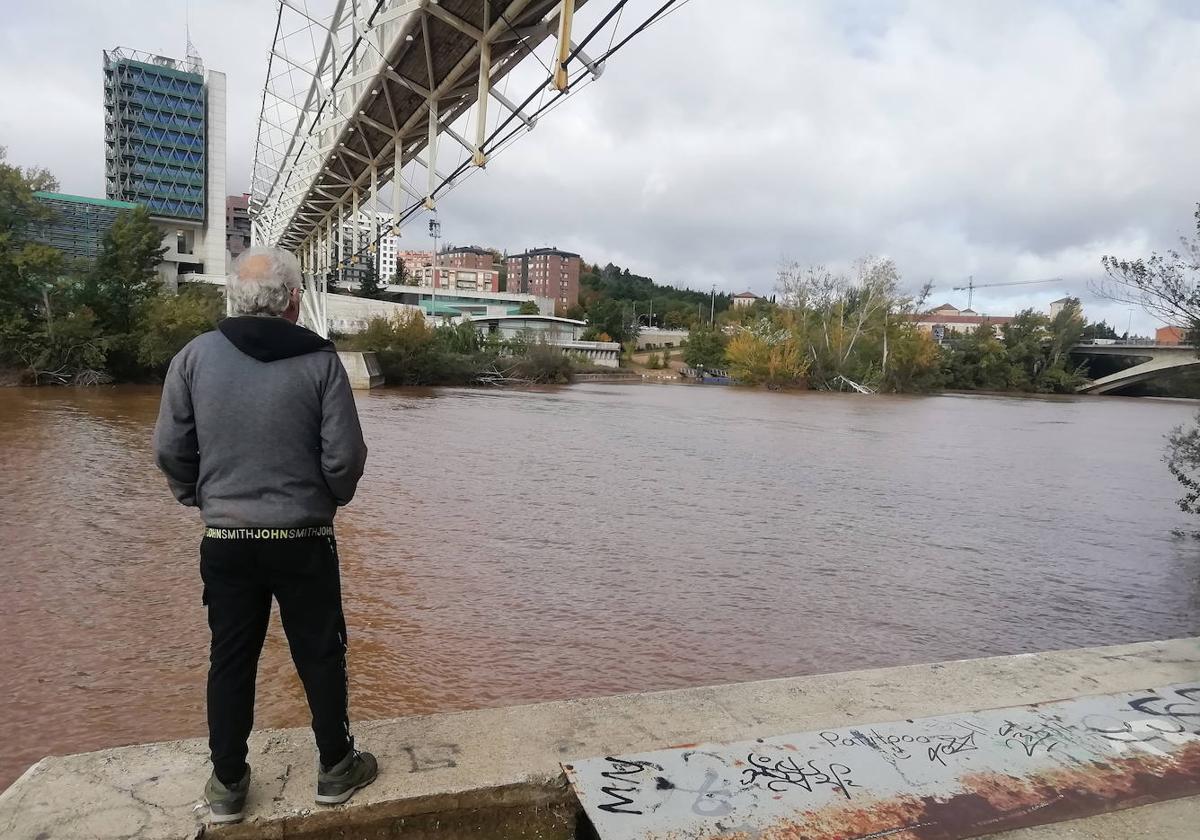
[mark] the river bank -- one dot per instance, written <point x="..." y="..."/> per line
<point x="499" y="772"/>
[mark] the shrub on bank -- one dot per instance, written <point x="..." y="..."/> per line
<point x="541" y="364"/>
<point x="411" y="352"/>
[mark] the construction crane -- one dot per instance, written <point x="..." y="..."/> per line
<point x="972" y="286"/>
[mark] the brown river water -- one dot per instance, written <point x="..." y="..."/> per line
<point x="514" y="546"/>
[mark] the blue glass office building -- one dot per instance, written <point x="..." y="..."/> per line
<point x="154" y="133"/>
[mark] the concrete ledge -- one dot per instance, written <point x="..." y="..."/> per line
<point x="607" y="377"/>
<point x="495" y="772"/>
<point x="362" y="368"/>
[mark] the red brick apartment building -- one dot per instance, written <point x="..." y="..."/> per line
<point x="468" y="256"/>
<point x="546" y="272"/>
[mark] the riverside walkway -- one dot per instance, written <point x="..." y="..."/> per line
<point x="497" y="773"/>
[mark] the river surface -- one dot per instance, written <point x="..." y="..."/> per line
<point x="514" y="546"/>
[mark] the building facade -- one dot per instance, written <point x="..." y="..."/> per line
<point x="946" y="320"/>
<point x="164" y="133"/>
<point x="744" y="299"/>
<point x="78" y="225"/>
<point x="545" y="272"/>
<point x="453" y="304"/>
<point x="1171" y="335"/>
<point x="237" y="224"/>
<point x="563" y="333"/>
<point x="413" y="262"/>
<point x="460" y="279"/>
<point x="1057" y="306"/>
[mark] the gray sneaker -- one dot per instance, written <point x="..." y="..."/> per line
<point x="336" y="784"/>
<point x="227" y="804"/>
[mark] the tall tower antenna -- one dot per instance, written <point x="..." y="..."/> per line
<point x="195" y="64"/>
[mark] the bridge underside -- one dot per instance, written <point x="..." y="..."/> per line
<point x="1157" y="362"/>
<point x="390" y="80"/>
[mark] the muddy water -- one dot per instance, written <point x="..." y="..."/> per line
<point x="515" y="546"/>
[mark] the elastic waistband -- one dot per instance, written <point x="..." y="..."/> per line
<point x="268" y="533"/>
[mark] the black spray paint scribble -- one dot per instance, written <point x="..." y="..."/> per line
<point x="780" y="775"/>
<point x="1188" y="706"/>
<point x="1029" y="738"/>
<point x="949" y="745"/>
<point x="624" y="777"/>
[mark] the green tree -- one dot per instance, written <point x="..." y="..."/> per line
<point x="914" y="361"/>
<point x="705" y="348"/>
<point x="977" y="361"/>
<point x="125" y="275"/>
<point x="528" y="307"/>
<point x="1099" y="330"/>
<point x="612" y="318"/>
<point x="171" y="321"/>
<point x="368" y="284"/>
<point x="1024" y="337"/>
<point x="460" y="338"/>
<point x="26" y="267"/>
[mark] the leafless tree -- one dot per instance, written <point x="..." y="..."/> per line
<point x="1165" y="285"/>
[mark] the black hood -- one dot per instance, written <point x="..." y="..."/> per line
<point x="271" y="339"/>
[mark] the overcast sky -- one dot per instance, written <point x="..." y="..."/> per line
<point x="1004" y="140"/>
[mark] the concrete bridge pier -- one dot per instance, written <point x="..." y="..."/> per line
<point x="362" y="368"/>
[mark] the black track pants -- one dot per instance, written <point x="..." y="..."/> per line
<point x="240" y="577"/>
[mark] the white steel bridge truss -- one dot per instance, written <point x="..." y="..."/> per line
<point x="350" y="100"/>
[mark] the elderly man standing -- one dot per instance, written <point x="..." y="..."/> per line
<point x="258" y="429"/>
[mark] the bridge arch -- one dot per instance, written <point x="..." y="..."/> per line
<point x="1156" y="360"/>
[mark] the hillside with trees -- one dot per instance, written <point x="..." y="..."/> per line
<point x="618" y="299"/>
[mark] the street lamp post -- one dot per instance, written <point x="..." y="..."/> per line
<point x="435" y="230"/>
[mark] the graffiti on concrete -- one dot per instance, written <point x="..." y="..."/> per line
<point x="956" y="775"/>
<point x="780" y="774"/>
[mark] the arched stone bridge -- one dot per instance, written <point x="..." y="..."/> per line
<point x="1155" y="360"/>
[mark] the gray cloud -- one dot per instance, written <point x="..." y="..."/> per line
<point x="1009" y="141"/>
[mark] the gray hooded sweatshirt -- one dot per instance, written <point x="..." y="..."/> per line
<point x="257" y="427"/>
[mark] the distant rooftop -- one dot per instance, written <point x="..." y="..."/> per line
<point x="535" y="252"/>
<point x="934" y="318"/>
<point x="516" y="317"/>
<point x="83" y="199"/>
<point x="193" y="64"/>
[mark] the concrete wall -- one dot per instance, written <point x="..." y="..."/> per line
<point x="497" y="773"/>
<point x="349" y="314"/>
<point x="214" y="244"/>
<point x="651" y="337"/>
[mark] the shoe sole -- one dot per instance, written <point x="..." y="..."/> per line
<point x="226" y="818"/>
<point x="338" y="799"/>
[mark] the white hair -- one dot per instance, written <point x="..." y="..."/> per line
<point x="262" y="280"/>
